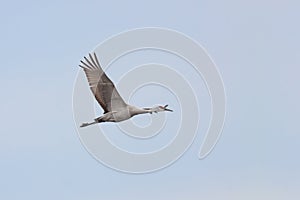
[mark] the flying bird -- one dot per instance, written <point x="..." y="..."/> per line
<point x="106" y="94"/>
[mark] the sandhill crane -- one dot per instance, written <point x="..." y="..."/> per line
<point x="115" y="108"/>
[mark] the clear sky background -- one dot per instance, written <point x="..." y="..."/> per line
<point x="256" y="47"/>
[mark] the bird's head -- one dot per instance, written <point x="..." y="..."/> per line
<point x="164" y="108"/>
<point x="157" y="109"/>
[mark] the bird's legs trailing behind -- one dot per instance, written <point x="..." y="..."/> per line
<point x="97" y="120"/>
<point x="87" y="124"/>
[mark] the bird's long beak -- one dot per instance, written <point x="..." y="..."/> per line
<point x="166" y="109"/>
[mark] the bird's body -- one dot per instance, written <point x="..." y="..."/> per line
<point x="115" y="108"/>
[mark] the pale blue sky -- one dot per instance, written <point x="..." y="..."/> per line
<point x="256" y="46"/>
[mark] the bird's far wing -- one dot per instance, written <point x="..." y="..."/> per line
<point x="102" y="87"/>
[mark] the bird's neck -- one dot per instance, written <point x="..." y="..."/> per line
<point x="137" y="111"/>
<point x="150" y="110"/>
<point x="145" y="110"/>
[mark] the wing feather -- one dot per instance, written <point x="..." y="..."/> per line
<point x="102" y="87"/>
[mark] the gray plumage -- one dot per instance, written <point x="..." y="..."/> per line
<point x="106" y="94"/>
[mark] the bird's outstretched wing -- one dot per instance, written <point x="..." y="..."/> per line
<point x="102" y="87"/>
